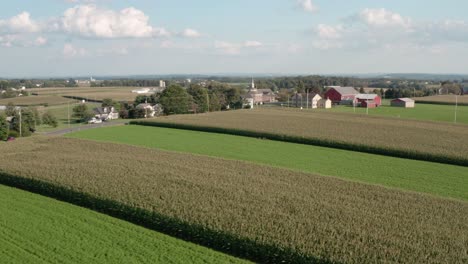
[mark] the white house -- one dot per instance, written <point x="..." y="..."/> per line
<point x="150" y="110"/>
<point x="315" y="101"/>
<point x="106" y="113"/>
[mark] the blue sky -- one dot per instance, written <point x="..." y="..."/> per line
<point x="112" y="37"/>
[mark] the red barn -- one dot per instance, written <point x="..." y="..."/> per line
<point x="369" y="97"/>
<point x="337" y="93"/>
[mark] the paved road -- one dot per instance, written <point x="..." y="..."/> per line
<point x="85" y="127"/>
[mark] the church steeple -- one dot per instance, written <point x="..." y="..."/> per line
<point x="252" y="86"/>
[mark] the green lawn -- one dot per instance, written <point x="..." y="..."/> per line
<point x="432" y="112"/>
<point x="36" y="229"/>
<point x="434" y="178"/>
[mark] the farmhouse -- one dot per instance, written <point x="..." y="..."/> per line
<point x="337" y="93"/>
<point x="361" y="98"/>
<point x="403" y="102"/>
<point x="260" y="96"/>
<point x="150" y="110"/>
<point x="106" y="113"/>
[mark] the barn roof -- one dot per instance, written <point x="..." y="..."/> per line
<point x="345" y="90"/>
<point x="366" y="96"/>
<point x="408" y="100"/>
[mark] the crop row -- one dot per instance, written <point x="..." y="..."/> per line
<point x="261" y="213"/>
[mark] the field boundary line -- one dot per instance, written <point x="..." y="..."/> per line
<point x="220" y="241"/>
<point x="398" y="153"/>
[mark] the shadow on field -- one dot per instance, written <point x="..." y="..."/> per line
<point x="216" y="240"/>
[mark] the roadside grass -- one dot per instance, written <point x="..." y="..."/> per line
<point x="37" y="229"/>
<point x="265" y="214"/>
<point x="433" y="178"/>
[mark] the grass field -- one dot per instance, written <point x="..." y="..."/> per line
<point x="323" y="217"/>
<point x="91" y="93"/>
<point x="36" y="229"/>
<point x="438" y="179"/>
<point x="36" y="100"/>
<point x="430" y="112"/>
<point x="435" y="138"/>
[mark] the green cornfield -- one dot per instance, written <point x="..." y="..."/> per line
<point x="267" y="214"/>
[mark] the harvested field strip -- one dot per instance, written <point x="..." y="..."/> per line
<point x="432" y="141"/>
<point x="433" y="178"/>
<point x="248" y="205"/>
<point x="36" y="100"/>
<point x="36" y="229"/>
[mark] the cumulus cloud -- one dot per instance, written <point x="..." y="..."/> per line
<point x="307" y="5"/>
<point x="70" y="51"/>
<point x="329" y="32"/>
<point x="383" y="18"/>
<point x="91" y="21"/>
<point x="21" y="23"/>
<point x="190" y="33"/>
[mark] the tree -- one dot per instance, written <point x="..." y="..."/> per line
<point x="4" y="127"/>
<point x="361" y="90"/>
<point x="23" y="123"/>
<point x="49" y="119"/>
<point x="82" y="112"/>
<point x="200" y="97"/>
<point x="175" y="100"/>
<point x="10" y="109"/>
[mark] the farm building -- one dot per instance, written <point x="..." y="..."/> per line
<point x="403" y="102"/>
<point x="324" y="103"/>
<point x="337" y="93"/>
<point x="360" y="98"/>
<point x="368" y="104"/>
<point x="150" y="110"/>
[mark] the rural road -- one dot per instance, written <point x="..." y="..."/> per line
<point x="84" y="127"/>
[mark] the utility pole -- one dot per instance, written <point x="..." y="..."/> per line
<point x="367" y="106"/>
<point x="20" y="123"/>
<point x="456" y="106"/>
<point x="307" y="99"/>
<point x="208" y="101"/>
<point x="68" y="114"/>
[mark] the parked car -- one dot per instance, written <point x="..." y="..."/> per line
<point x="10" y="139"/>
<point x="95" y="121"/>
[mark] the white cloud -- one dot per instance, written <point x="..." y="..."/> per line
<point x="307" y="5"/>
<point x="383" y="18"/>
<point x="70" y="51"/>
<point x="252" y="44"/>
<point x="228" y="48"/>
<point x="91" y="21"/>
<point x="329" y="32"/>
<point x="21" y="23"/>
<point x="40" y="41"/>
<point x="190" y="33"/>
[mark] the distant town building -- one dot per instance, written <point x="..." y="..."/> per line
<point x="260" y="96"/>
<point x="162" y="84"/>
<point x="403" y="102"/>
<point x="337" y="94"/>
